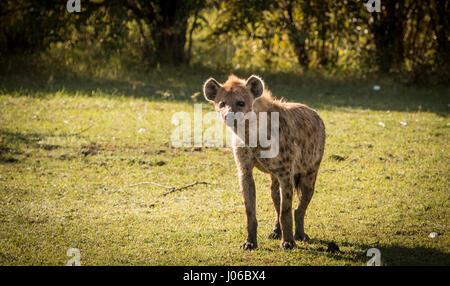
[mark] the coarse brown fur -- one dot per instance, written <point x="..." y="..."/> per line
<point x="295" y="168"/>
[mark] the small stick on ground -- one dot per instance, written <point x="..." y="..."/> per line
<point x="184" y="187"/>
<point x="79" y="132"/>
<point x="172" y="189"/>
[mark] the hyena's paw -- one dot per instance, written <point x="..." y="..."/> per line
<point x="249" y="245"/>
<point x="288" y="244"/>
<point x="275" y="234"/>
<point x="301" y="237"/>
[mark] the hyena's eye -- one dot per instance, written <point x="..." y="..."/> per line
<point x="241" y="103"/>
<point x="222" y="104"/>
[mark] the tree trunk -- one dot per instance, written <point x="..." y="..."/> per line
<point x="169" y="33"/>
<point x="388" y="31"/>
<point x="296" y="36"/>
<point x="300" y="48"/>
<point x="440" y="22"/>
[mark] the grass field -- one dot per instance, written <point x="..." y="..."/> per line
<point x="70" y="151"/>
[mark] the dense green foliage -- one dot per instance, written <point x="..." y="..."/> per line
<point x="283" y="35"/>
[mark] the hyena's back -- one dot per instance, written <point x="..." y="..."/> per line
<point x="302" y="134"/>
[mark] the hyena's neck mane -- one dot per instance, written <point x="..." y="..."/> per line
<point x="266" y="103"/>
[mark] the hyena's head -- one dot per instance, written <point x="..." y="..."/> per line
<point x="233" y="96"/>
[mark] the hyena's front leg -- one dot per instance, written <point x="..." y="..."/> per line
<point x="287" y="237"/>
<point x="248" y="191"/>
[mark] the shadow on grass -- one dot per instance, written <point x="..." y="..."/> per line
<point x="13" y="143"/>
<point x="391" y="255"/>
<point x="10" y="144"/>
<point x="185" y="84"/>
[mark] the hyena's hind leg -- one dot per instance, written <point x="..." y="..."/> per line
<point x="275" y="193"/>
<point x="304" y="184"/>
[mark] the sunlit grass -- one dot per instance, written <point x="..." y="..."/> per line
<point x="69" y="155"/>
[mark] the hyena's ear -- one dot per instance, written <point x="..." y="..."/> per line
<point x="256" y="85"/>
<point x="210" y="89"/>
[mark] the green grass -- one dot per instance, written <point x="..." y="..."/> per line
<point x="70" y="149"/>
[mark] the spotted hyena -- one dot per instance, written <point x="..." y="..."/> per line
<point x="295" y="167"/>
